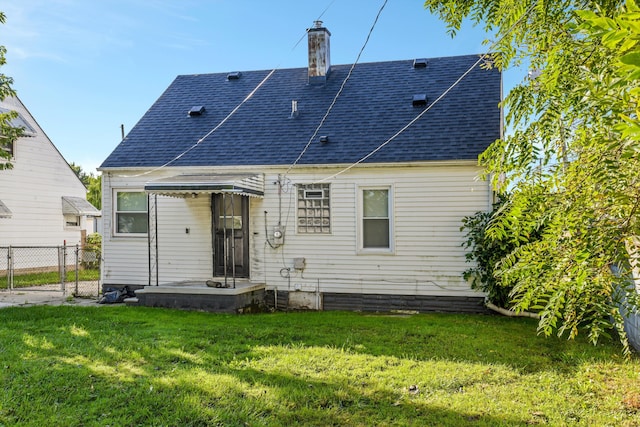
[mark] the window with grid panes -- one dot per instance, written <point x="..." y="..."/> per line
<point x="314" y="209"/>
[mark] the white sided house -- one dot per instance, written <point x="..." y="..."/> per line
<point x="294" y="189"/>
<point x="42" y="201"/>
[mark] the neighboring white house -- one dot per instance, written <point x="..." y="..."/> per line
<point x="42" y="201"/>
<point x="355" y="206"/>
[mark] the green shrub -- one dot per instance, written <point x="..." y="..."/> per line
<point x="94" y="240"/>
<point x="92" y="251"/>
<point x="486" y="251"/>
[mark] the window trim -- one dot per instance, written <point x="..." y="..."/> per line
<point x="114" y="216"/>
<point x="19" y="122"/>
<point x="68" y="226"/>
<point x="11" y="149"/>
<point x="360" y="218"/>
<point x="326" y="194"/>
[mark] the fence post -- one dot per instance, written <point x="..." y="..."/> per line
<point x="63" y="276"/>
<point x="10" y="268"/>
<point x="77" y="266"/>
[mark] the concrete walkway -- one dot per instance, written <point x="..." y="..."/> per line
<point x="26" y="298"/>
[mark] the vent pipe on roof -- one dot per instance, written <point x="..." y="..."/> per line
<point x="196" y="110"/>
<point x="294" y="109"/>
<point x="420" y="100"/>
<point x="319" y="53"/>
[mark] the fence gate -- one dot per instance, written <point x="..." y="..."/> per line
<point x="72" y="270"/>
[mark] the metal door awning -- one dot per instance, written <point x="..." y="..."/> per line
<point x="78" y="206"/>
<point x="184" y="185"/>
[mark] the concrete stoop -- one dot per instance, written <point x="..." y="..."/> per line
<point x="244" y="298"/>
<point x="132" y="301"/>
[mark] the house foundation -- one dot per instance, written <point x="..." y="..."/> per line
<point x="243" y="298"/>
<point x="248" y="297"/>
<point x="328" y="301"/>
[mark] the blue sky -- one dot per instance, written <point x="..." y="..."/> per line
<point x="83" y="68"/>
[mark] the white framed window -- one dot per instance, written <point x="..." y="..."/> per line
<point x="10" y="148"/>
<point x="16" y="122"/>
<point x="375" y="219"/>
<point x="71" y="221"/>
<point x="19" y="122"/>
<point x="130" y="213"/>
<point x="314" y="208"/>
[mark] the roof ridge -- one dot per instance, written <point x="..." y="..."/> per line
<point x="267" y="70"/>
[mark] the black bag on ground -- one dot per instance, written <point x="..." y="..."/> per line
<point x="114" y="295"/>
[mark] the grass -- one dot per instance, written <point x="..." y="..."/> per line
<point x="49" y="277"/>
<point x="130" y="366"/>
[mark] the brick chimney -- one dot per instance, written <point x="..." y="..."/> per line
<point x="319" y="58"/>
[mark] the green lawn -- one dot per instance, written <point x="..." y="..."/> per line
<point x="49" y="277"/>
<point x="116" y="366"/>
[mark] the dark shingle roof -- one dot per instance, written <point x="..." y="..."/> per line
<point x="376" y="103"/>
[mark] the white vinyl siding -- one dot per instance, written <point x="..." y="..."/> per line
<point x="426" y="205"/>
<point x="32" y="190"/>
<point x="182" y="255"/>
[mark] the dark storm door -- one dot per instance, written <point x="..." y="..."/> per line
<point x="230" y="235"/>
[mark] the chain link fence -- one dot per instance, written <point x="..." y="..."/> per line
<point x="72" y="270"/>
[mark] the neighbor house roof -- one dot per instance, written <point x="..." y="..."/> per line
<point x="375" y="103"/>
<point x="78" y="206"/>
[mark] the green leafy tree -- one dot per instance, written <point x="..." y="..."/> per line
<point x="572" y="159"/>
<point x="94" y="191"/>
<point x="8" y="133"/>
<point x="485" y="250"/>
<point x="92" y="183"/>
<point x="80" y="173"/>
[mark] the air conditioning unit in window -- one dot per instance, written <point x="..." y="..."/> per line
<point x="314" y="194"/>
